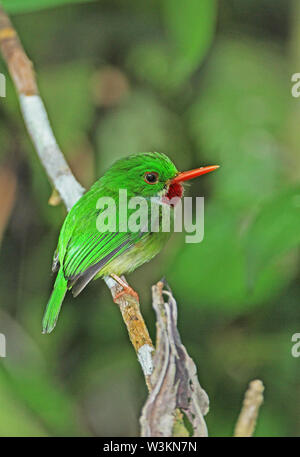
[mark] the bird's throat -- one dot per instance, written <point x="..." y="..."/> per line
<point x="175" y="190"/>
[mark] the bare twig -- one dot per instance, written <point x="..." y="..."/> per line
<point x="138" y="332"/>
<point x="176" y="389"/>
<point x="57" y="169"/>
<point x="35" y="115"/>
<point x="252" y="401"/>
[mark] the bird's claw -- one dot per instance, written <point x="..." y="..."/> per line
<point x="127" y="291"/>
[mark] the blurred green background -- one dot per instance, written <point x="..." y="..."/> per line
<point x="205" y="82"/>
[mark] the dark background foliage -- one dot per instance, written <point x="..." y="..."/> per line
<point x="205" y="82"/>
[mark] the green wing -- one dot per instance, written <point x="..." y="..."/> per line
<point x="88" y="250"/>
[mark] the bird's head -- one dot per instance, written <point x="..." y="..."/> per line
<point x="150" y="174"/>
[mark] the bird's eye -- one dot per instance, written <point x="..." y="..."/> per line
<point x="151" y="177"/>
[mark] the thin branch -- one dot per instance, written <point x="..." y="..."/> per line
<point x="35" y="115"/>
<point x="58" y="171"/>
<point x="137" y="330"/>
<point x="248" y="416"/>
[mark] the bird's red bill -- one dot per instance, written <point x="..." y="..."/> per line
<point x="186" y="175"/>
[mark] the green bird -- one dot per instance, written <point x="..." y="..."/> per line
<point x="84" y="253"/>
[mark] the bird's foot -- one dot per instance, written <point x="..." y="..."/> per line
<point x="127" y="290"/>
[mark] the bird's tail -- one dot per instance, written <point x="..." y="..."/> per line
<point x="55" y="302"/>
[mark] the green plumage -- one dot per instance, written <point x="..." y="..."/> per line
<point x="84" y="253"/>
<point x="55" y="302"/>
